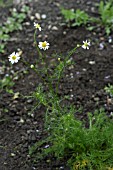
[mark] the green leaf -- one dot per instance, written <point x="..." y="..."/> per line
<point x="69" y="15"/>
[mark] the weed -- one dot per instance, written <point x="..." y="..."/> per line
<point x="83" y="147"/>
<point x="106" y="15"/>
<point x="79" y="17"/>
<point x="13" y="23"/>
<point x="6" y="83"/>
<point x="109" y="89"/>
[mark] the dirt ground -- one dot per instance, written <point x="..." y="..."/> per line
<point x="84" y="82"/>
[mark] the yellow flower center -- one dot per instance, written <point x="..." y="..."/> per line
<point x="86" y="44"/>
<point x="37" y="26"/>
<point x="44" y="44"/>
<point x="14" y="57"/>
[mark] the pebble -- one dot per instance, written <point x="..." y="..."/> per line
<point x="77" y="72"/>
<point x="32" y="18"/>
<point x="27" y="23"/>
<point x="84" y="69"/>
<point x="96" y="99"/>
<point x="64" y="32"/>
<point x="47" y="146"/>
<point x="22" y="120"/>
<point x="111" y="113"/>
<point x="71" y="74"/>
<point x="37" y="15"/>
<point x="72" y="95"/>
<point x="109" y="39"/>
<point x="61" y="167"/>
<point x="37" y="131"/>
<point x="12" y="154"/>
<point x="29" y="101"/>
<point x="71" y="67"/>
<point x="49" y="27"/>
<point x="102" y="38"/>
<point x="101" y="46"/>
<point x="54" y="28"/>
<point x="43" y="16"/>
<point x="107" y="77"/>
<point x="92" y="9"/>
<point x="92" y="62"/>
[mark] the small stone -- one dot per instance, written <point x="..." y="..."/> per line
<point x="72" y="95"/>
<point x="71" y="67"/>
<point x="110" y="40"/>
<point x="27" y="23"/>
<point x="43" y="16"/>
<point x="37" y="15"/>
<point x="107" y="77"/>
<point x="29" y="101"/>
<point x="22" y="120"/>
<point x="71" y="74"/>
<point x="12" y="154"/>
<point x="61" y="167"/>
<point x="111" y="113"/>
<point x="101" y="46"/>
<point x="84" y="69"/>
<point x="54" y="28"/>
<point x="92" y="9"/>
<point x="32" y="18"/>
<point x="37" y="131"/>
<point x="49" y="27"/>
<point x="77" y="72"/>
<point x="64" y="32"/>
<point x="47" y="146"/>
<point x="92" y="62"/>
<point x="48" y="160"/>
<point x="96" y="99"/>
<point x="102" y="38"/>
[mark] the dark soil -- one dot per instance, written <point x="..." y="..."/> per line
<point x="84" y="82"/>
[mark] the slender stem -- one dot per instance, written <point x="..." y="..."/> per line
<point x="65" y="63"/>
<point x="26" y="63"/>
<point x="40" y="54"/>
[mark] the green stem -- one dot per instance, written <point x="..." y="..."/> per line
<point x="65" y="64"/>
<point x="40" y="54"/>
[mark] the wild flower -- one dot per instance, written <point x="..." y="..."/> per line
<point x="14" y="57"/>
<point x="37" y="26"/>
<point x="44" y="45"/>
<point x="86" y="45"/>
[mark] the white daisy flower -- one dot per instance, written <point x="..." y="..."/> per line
<point x="44" y="45"/>
<point x="86" y="45"/>
<point x="14" y="57"/>
<point x="37" y="26"/>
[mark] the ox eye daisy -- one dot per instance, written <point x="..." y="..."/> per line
<point x="86" y="45"/>
<point x="44" y="45"/>
<point x="37" y="26"/>
<point x="14" y="57"/>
